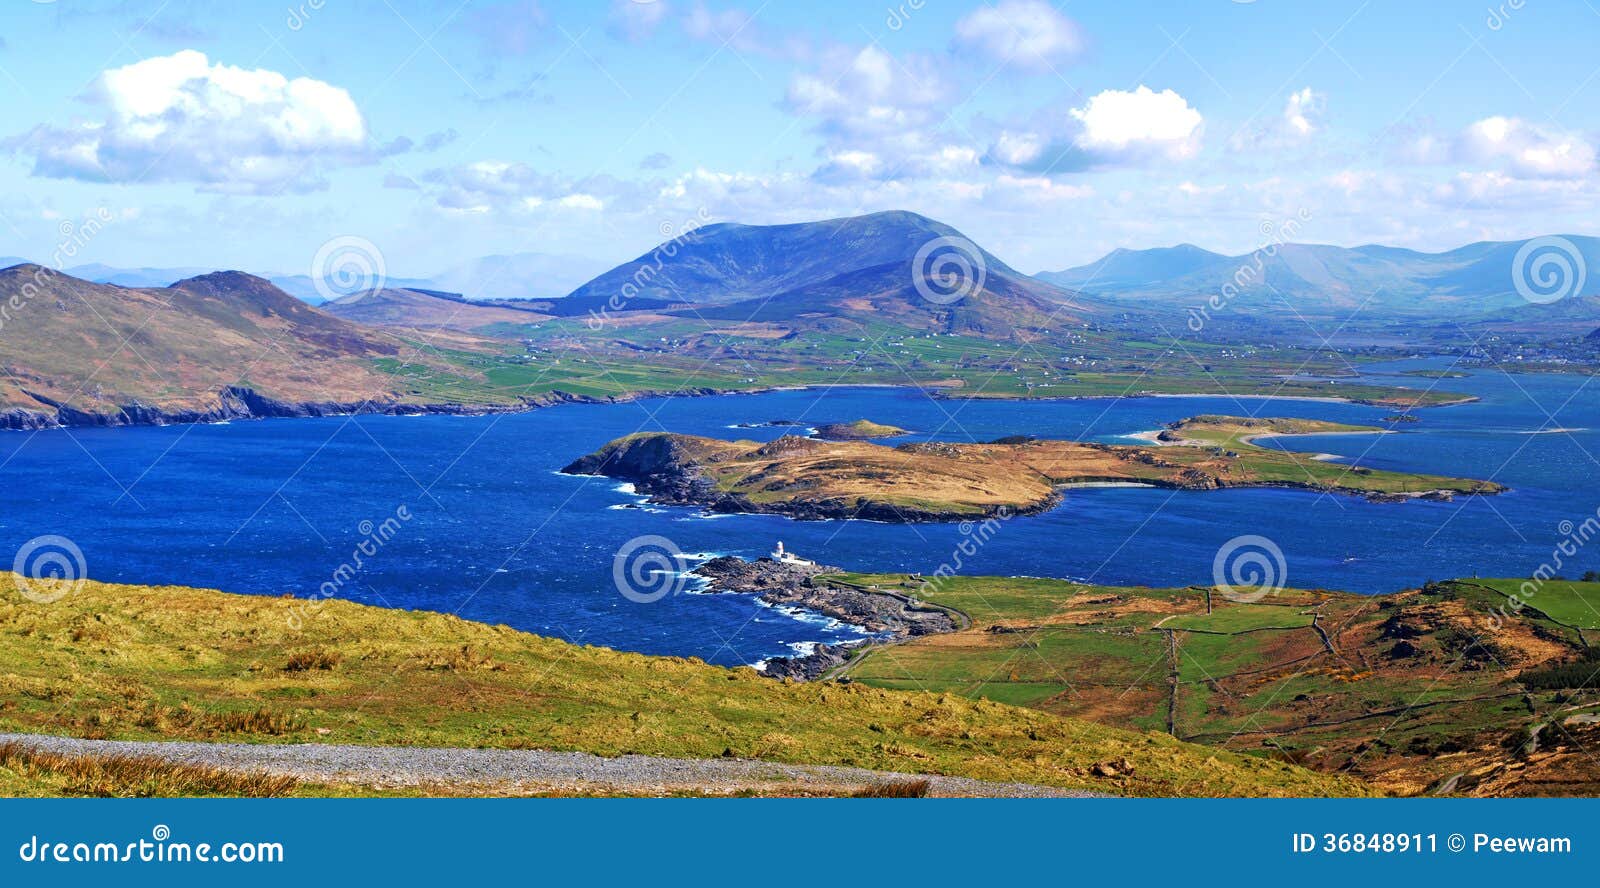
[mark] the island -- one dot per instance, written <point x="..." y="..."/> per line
<point x="860" y="430"/>
<point x="808" y="478"/>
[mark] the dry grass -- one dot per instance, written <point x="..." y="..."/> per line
<point x="196" y="664"/>
<point x="305" y="661"/>
<point x="895" y="789"/>
<point x="132" y="776"/>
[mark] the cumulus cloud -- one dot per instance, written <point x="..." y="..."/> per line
<point x="1526" y="150"/>
<point x="880" y="116"/>
<point x="1508" y="147"/>
<point x="1117" y="122"/>
<point x="1029" y="35"/>
<point x="181" y="118"/>
<point x="498" y="186"/>
<point x="1114" y="128"/>
<point x="1301" y="121"/>
<point x="1302" y="115"/>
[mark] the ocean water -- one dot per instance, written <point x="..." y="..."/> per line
<point x="496" y="534"/>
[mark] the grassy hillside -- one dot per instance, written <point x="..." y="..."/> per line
<point x="1406" y="690"/>
<point x="167" y="662"/>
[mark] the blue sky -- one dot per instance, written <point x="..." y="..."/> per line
<point x="248" y="134"/>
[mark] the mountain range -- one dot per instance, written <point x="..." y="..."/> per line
<point x="1472" y="280"/>
<point x="214" y="346"/>
<point x="516" y="276"/>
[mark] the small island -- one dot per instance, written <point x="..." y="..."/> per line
<point x="808" y="478"/>
<point x="860" y="430"/>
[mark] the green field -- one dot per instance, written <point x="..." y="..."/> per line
<point x="1386" y="685"/>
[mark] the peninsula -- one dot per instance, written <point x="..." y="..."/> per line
<point x="938" y="481"/>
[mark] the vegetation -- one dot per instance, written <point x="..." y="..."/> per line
<point x="1403" y="690"/>
<point x="131" y="662"/>
<point x="943" y="481"/>
<point x="28" y="772"/>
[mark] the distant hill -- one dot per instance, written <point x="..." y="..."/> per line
<point x="134" y="277"/>
<point x="220" y="344"/>
<point x="517" y="276"/>
<point x="420" y="309"/>
<point x="1471" y="280"/>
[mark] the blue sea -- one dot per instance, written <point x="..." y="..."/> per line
<point x="496" y="534"/>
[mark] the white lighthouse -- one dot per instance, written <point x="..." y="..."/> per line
<point x="784" y="557"/>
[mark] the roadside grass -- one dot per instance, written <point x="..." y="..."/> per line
<point x="132" y="662"/>
<point x="29" y="772"/>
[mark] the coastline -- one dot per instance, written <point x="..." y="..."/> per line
<point x="245" y="403"/>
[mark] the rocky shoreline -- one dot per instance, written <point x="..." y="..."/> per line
<point x="889" y="616"/>
<point x="660" y="468"/>
<point x="244" y="403"/>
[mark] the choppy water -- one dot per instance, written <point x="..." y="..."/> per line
<point x="497" y="535"/>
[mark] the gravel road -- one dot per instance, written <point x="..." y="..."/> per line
<point x="524" y="770"/>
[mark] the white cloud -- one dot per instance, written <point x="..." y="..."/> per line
<point x="1302" y="115"/>
<point x="488" y="186"/>
<point x="1118" y="122"/>
<point x="180" y="118"/>
<point x="879" y="116"/>
<point x="1026" y="34"/>
<point x="1114" y="128"/>
<point x="1300" y="123"/>
<point x="1526" y="150"/>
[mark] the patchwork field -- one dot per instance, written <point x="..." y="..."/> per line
<point x="1421" y="691"/>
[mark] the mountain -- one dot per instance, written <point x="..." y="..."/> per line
<point x="726" y="262"/>
<point x="517" y="276"/>
<point x="304" y="287"/>
<point x="222" y="344"/>
<point x="1007" y="305"/>
<point x="837" y="274"/>
<point x="420" y="309"/>
<point x="1123" y="269"/>
<point x="1309" y="278"/>
<point x="133" y="277"/>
